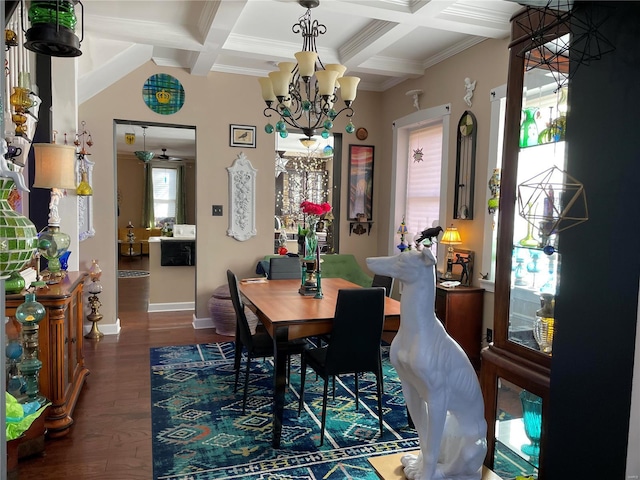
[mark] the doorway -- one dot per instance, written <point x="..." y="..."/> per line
<point x="170" y="148"/>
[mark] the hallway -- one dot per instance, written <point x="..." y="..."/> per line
<point x="111" y="435"/>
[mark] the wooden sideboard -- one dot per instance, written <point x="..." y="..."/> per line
<point x="60" y="339"/>
<point x="460" y="310"/>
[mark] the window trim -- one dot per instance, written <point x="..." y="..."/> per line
<point x="401" y="129"/>
<point x="497" y="96"/>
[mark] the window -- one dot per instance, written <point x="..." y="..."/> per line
<point x="423" y="178"/>
<point x="164" y="195"/>
<point x="418" y="186"/>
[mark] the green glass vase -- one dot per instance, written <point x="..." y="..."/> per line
<point x="528" y="128"/>
<point x="18" y="235"/>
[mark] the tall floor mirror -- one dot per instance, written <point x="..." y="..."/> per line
<point x="168" y="153"/>
<point x="307" y="170"/>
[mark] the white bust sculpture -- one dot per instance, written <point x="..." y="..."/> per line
<point x="439" y="383"/>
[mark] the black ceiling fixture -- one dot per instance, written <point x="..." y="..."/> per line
<point x="167" y="158"/>
<point x="53" y="25"/>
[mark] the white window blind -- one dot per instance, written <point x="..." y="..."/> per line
<point x="164" y="193"/>
<point x="423" y="179"/>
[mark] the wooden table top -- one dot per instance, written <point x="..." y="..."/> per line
<point x="280" y="301"/>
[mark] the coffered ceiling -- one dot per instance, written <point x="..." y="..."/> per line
<point x="382" y="41"/>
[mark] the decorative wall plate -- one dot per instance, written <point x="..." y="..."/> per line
<point x="361" y="133"/>
<point x="163" y="94"/>
<point x="242" y="199"/>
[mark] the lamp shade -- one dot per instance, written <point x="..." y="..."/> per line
<point x="55" y="166"/>
<point x="451" y="236"/>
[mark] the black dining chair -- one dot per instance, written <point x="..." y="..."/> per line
<point x="354" y="346"/>
<point x="282" y="268"/>
<point x="258" y="345"/>
<point x="383" y="281"/>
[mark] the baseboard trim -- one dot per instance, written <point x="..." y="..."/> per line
<point x="199" y="323"/>
<point x="171" y="307"/>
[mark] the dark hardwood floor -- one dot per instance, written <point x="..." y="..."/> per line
<point x="111" y="435"/>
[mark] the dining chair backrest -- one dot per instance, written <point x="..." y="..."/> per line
<point x="383" y="281"/>
<point x="242" y="325"/>
<point x="282" y="268"/>
<point x="357" y="331"/>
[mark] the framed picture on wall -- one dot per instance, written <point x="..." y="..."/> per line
<point x="242" y="136"/>
<point x="360" y="182"/>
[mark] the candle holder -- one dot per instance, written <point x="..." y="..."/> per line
<point x="95" y="289"/>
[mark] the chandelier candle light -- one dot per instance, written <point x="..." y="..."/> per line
<point x="303" y="94"/>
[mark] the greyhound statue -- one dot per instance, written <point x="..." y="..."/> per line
<point x="440" y="386"/>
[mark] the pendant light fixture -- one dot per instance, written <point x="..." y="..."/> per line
<point x="53" y="25"/>
<point x="143" y="154"/>
<point x="303" y="94"/>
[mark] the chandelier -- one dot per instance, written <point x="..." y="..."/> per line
<point x="303" y="94"/>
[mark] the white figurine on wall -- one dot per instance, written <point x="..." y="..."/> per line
<point x="6" y="171"/>
<point x="469" y="87"/>
<point x="439" y="383"/>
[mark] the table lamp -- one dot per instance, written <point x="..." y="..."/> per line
<point x="450" y="237"/>
<point x="54" y="169"/>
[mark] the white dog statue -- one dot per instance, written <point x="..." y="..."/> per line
<point x="440" y="386"/>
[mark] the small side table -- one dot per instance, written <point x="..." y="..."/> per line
<point x="388" y="467"/>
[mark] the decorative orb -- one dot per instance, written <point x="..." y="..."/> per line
<point x="328" y="124"/>
<point x="350" y="128"/>
<point x="268" y="128"/>
<point x="306" y="105"/>
<point x="286" y="112"/>
<point x="549" y="250"/>
<point x="325" y="134"/>
<point x="332" y="114"/>
<point x="281" y="126"/>
<point x="284" y="134"/>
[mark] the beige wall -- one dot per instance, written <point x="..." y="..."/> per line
<point x="215" y="101"/>
<point x="168" y="286"/>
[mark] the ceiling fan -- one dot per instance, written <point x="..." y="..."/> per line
<point x="167" y="158"/>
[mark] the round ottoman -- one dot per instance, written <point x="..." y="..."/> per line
<point x="223" y="314"/>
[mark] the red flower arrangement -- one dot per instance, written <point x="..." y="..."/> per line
<point x="311" y="208"/>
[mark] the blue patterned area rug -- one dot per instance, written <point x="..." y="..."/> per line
<point x="199" y="432"/>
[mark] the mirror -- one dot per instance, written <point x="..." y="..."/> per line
<point x="307" y="171"/>
<point x="171" y="146"/>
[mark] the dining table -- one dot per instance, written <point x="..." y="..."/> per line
<point x="288" y="315"/>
